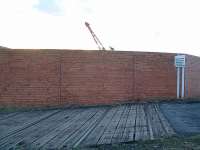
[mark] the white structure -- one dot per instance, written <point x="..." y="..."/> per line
<point x="180" y="65"/>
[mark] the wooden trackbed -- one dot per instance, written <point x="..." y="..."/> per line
<point x="69" y="128"/>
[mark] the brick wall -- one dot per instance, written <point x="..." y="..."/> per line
<point x="65" y="77"/>
<point x="192" y="76"/>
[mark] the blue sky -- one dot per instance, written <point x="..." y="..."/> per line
<point x="140" y="25"/>
<point x="49" y="6"/>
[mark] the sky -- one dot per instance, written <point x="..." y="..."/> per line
<point x="131" y="25"/>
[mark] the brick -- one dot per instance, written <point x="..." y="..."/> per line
<point x="64" y="77"/>
<point x="192" y="77"/>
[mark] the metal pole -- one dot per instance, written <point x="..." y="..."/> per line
<point x="183" y="82"/>
<point x="178" y="82"/>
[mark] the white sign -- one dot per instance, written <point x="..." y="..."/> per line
<point x="180" y="61"/>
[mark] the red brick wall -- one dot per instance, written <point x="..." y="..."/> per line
<point x="192" y="76"/>
<point x="65" y="77"/>
<point x="29" y="77"/>
<point x="155" y="76"/>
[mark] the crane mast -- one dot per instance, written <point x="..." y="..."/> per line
<point x="96" y="39"/>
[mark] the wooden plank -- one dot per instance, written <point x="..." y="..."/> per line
<point x="89" y="127"/>
<point x="90" y="130"/>
<point x="4" y="116"/>
<point x="137" y="123"/>
<point x="32" y="121"/>
<point x="157" y="128"/>
<point x="110" y="130"/>
<point x="32" y="133"/>
<point x="84" y="130"/>
<point x="129" y="131"/>
<point x="160" y="130"/>
<point x="64" y="131"/>
<point x="117" y="137"/>
<point x="167" y="127"/>
<point x="149" y="122"/>
<point x="20" y="118"/>
<point x="95" y="135"/>
<point x="70" y="131"/>
<point x="153" y="123"/>
<point x="141" y="132"/>
<point x="15" y="122"/>
<point x="144" y="125"/>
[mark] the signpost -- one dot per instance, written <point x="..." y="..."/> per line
<point x="180" y="61"/>
<point x="180" y="65"/>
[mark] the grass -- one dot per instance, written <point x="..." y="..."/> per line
<point x="173" y="143"/>
<point x="8" y="109"/>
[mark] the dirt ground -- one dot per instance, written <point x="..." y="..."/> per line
<point x="183" y="117"/>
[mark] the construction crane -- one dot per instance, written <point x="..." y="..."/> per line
<point x="96" y="39"/>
